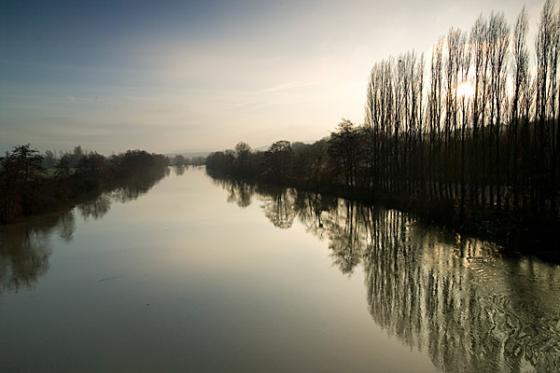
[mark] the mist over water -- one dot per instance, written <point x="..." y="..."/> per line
<point x="199" y="274"/>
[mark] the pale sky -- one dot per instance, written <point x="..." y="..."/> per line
<point x="173" y="76"/>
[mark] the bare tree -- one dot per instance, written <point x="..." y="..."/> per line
<point x="520" y="91"/>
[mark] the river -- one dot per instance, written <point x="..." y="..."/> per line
<point x="205" y="275"/>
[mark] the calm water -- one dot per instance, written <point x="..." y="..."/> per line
<point x="199" y="275"/>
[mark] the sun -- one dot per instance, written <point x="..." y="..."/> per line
<point x="465" y="89"/>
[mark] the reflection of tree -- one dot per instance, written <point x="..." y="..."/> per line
<point x="346" y="240"/>
<point x="127" y="190"/>
<point x="279" y="207"/>
<point x="95" y="208"/>
<point x="311" y="208"/>
<point x="25" y="251"/>
<point x="339" y="219"/>
<point x="131" y="188"/>
<point x="241" y="194"/>
<point x="66" y="226"/>
<point x="455" y="298"/>
<point x="179" y="169"/>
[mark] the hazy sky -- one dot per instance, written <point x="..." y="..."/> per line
<point x="174" y="75"/>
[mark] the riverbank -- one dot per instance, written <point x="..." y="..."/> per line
<point x="63" y="195"/>
<point x="27" y="188"/>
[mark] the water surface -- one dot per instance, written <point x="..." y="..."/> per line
<point x="202" y="275"/>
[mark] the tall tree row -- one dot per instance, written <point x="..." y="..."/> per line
<point x="481" y="127"/>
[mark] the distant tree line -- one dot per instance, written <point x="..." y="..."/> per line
<point x="182" y="161"/>
<point x="477" y="129"/>
<point x="32" y="183"/>
<point x="283" y="163"/>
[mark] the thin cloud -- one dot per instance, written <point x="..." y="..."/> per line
<point x="82" y="99"/>
<point x="286" y="87"/>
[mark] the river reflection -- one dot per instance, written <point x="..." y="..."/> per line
<point x="25" y="250"/>
<point x="25" y="246"/>
<point x="455" y="298"/>
<point x="181" y="281"/>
